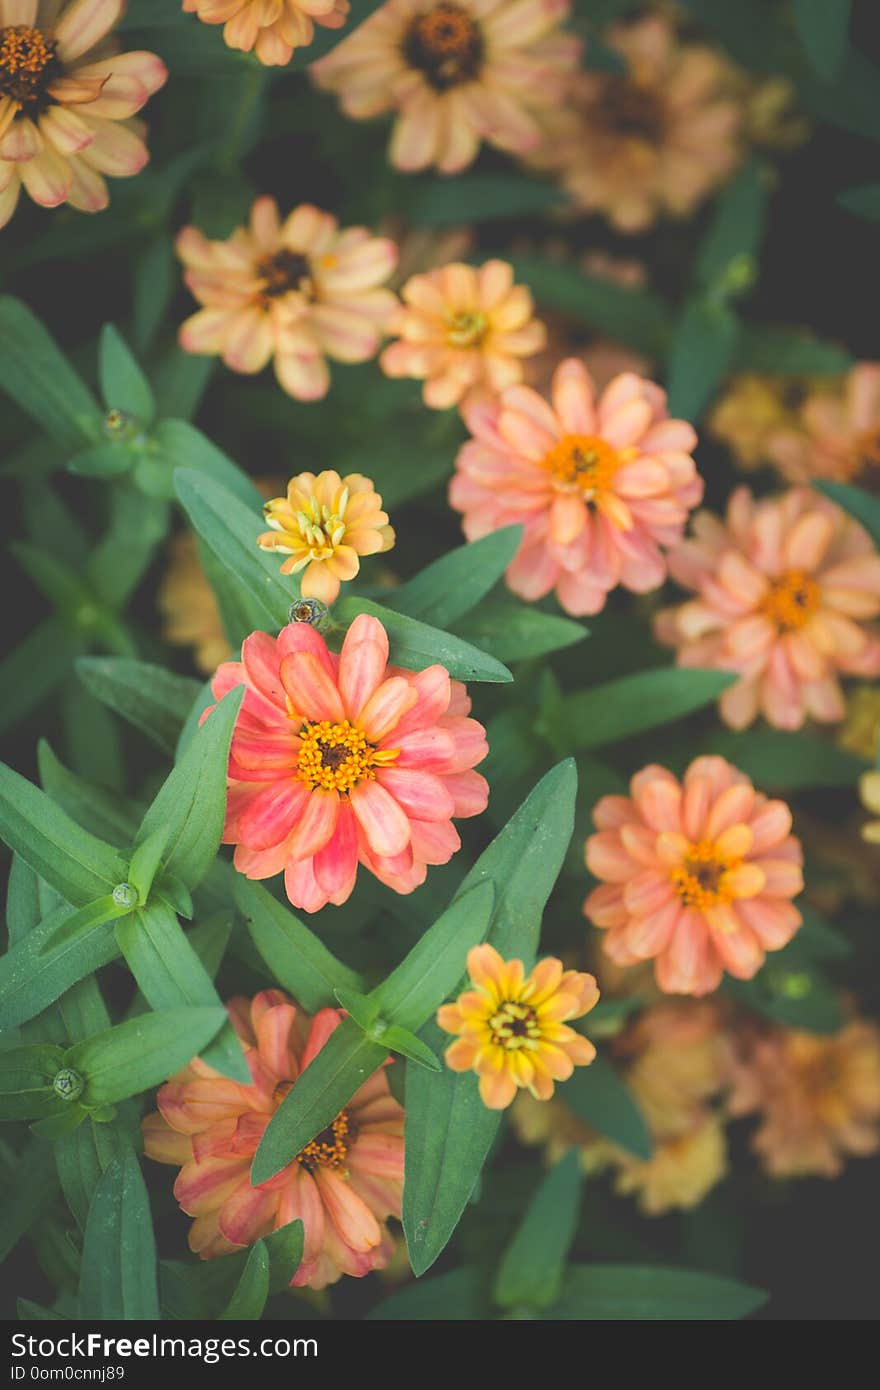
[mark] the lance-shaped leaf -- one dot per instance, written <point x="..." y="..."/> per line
<point x="702" y="351"/>
<point x="33" y="669"/>
<point x="94" y="808"/>
<point x="297" y="959"/>
<point x="448" y="1129"/>
<point x="26" y="1076"/>
<point x="859" y="503"/>
<point x="142" y="1053"/>
<point x="531" y="1269"/>
<point x="517" y="631"/>
<point x="249" y="1296"/>
<point x="455" y="583"/>
<point x="118" y="1281"/>
<point x="156" y="701"/>
<point x="39" y="378"/>
<point x="285" y="1247"/>
<point x="619" y="708"/>
<point x="79" y="865"/>
<point x="186" y="447"/>
<point x="29" y="1189"/>
<point x="30" y="981"/>
<point x="81" y="1158"/>
<point x="614" y="1293"/>
<point x="192" y="800"/>
<point x="83" y="922"/>
<point x="145" y="862"/>
<point x="123" y="384"/>
<point x="602" y="1099"/>
<point x="415" y="645"/>
<point x="734" y="236"/>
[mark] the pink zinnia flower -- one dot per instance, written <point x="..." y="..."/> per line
<point x="785" y="591"/>
<point x="342" y="1185"/>
<point x="599" y="485"/>
<point x="836" y="433"/>
<point x="340" y="760"/>
<point x="697" y="875"/>
<point x="273" y="28"/>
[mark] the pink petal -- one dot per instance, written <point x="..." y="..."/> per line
<point x="381" y="818"/>
<point x="312" y="691"/>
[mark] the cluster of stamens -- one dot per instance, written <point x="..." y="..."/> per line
<point x="321" y="528"/>
<point x="445" y="45"/>
<point x="466" y="329"/>
<point x="700" y="879"/>
<point x="285" y="271"/>
<point x="335" y="757"/>
<point x="27" y="63"/>
<point x="515" y="1025"/>
<point x="584" y="463"/>
<point x="792" y="600"/>
<point x="329" y="1149"/>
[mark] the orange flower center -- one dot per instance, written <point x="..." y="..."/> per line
<point x="466" y="330"/>
<point x="335" y="757"/>
<point x="515" y="1025"/>
<point x="700" y="879"/>
<point x="27" y="63"/>
<point x="445" y="45"/>
<point x="792" y="600"/>
<point x="285" y="271"/>
<point x="585" y="463"/>
<point x="629" y="109"/>
<point x="329" y="1149"/>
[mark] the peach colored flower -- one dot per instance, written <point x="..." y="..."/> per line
<point x="340" y="760"/>
<point x="273" y="28"/>
<point x="325" y="524"/>
<point x="600" y="486"/>
<point x="818" y="1097"/>
<point x="456" y="72"/>
<point x="682" y="1170"/>
<point x="511" y="1027"/>
<point x="698" y="875"/>
<point x="836" y="433"/>
<point x="680" y="1058"/>
<point x="67" y="98"/>
<point x="786" y="588"/>
<point x="752" y="413"/>
<point x="342" y="1185"/>
<point x="461" y="329"/>
<point x="655" y="139"/>
<point x="295" y="291"/>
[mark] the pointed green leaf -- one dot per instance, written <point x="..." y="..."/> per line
<point x="787" y="352"/>
<point x="252" y="1290"/>
<point x="414" y="645"/>
<point x="156" y="701"/>
<point x="186" y="447"/>
<point x="617" y="709"/>
<point x="516" y="631"/>
<point x="94" y="808"/>
<point x="361" y="1007"/>
<point x="531" y="1269"/>
<point x="602" y="1099"/>
<point x="26" y="1076"/>
<point x="108" y="460"/>
<point x="137" y="524"/>
<point x="38" y="377"/>
<point x="142" y="1053"/>
<point x="401" y="1040"/>
<point x="123" y="385"/>
<point x="734" y="236"/>
<point x="609" y="1293"/>
<point x="455" y="583"/>
<point x="285" y="1247"/>
<point x="62" y="1123"/>
<point x="81" y="1158"/>
<point x="297" y="959"/>
<point x="702" y="350"/>
<point x="82" y="923"/>
<point x="146" y="860"/>
<point x="30" y="981"/>
<point x="118" y="1280"/>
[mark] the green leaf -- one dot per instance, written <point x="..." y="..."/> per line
<point x="118" y="1280"/>
<point x="602" y="1099"/>
<point x="143" y="1052"/>
<point x="455" y="1297"/>
<point x="454" y="584"/>
<point x="81" y="1158"/>
<point x="186" y="447"/>
<point x="414" y="645"/>
<point x="31" y="981"/>
<point x="531" y="1269"/>
<point x="37" y="376"/>
<point x="123" y="384"/>
<point x="513" y="631"/>
<point x="408" y="1045"/>
<point x="29" y="1189"/>
<point x="361" y="1007"/>
<point x="94" y="808"/>
<point x="726" y="262"/>
<point x="636" y="317"/>
<point x="779" y="760"/>
<point x="823" y="27"/>
<point x="864" y="201"/>
<point x="77" y="864"/>
<point x="702" y="351"/>
<point x="791" y="990"/>
<point x="326" y="1086"/>
<point x="296" y="958"/>
<point x="478" y="198"/>
<point x="192" y="800"/>
<point x="83" y="923"/>
<point x="32" y="670"/>
<point x="26" y="1076"/>
<point x="252" y="1290"/>
<point x="137" y="524"/>
<point x="614" y="1293"/>
<point x="108" y="460"/>
<point x="617" y="709"/>
<point x="859" y="503"/>
<point x="145" y="862"/>
<point x="787" y="352"/>
<point x="154" y="700"/>
<point x="285" y="1247"/>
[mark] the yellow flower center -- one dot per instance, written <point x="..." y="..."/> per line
<point x="445" y="45"/>
<point x="792" y="600"/>
<point x="285" y="271"/>
<point x="329" y="1149"/>
<point x="335" y="757"/>
<point x="27" y="63"/>
<point x="515" y="1025"/>
<point x="700" y="879"/>
<point x="466" y="330"/>
<point x="320" y="528"/>
<point x="584" y="463"/>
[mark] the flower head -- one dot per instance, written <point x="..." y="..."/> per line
<point x="325" y="524"/>
<point x="272" y="30"/>
<point x="511" y="1027"/>
<point x="340" y="760"/>
<point x="296" y="291"/>
<point x="752" y="414"/>
<point x="836" y="433"/>
<point x="697" y="875"/>
<point x="67" y="99"/>
<point x="456" y="72"/>
<point x="818" y="1097"/>
<point x="342" y="1185"/>
<point x="600" y="485"/>
<point x="785" y="591"/>
<point x="462" y="329"/>
<point x="682" y="1170"/>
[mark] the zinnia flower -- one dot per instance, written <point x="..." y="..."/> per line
<point x="600" y="486"/>
<point x="66" y="102"/>
<point x="461" y="329"/>
<point x="836" y="434"/>
<point x="681" y="1171"/>
<point x="342" y="1185"/>
<point x="752" y="413"/>
<point x="818" y="1098"/>
<point x="274" y="28"/>
<point x="698" y="875"/>
<point x="337" y="760"/>
<point x="297" y="291"/>
<point x="511" y="1027"/>
<point x="325" y="524"/>
<point x="785" y="591"/>
<point x="456" y="72"/>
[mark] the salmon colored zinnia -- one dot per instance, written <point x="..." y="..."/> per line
<point x="600" y="485"/>
<point x="786" y="590"/>
<point x="836" y="434"/>
<point x="272" y="28"/>
<point x="512" y="1028"/>
<point x="462" y="329"/>
<point x="342" y="1185"/>
<point x="296" y="291"/>
<point x="67" y="98"/>
<point x="697" y="875"/>
<point x="456" y="72"/>
<point x="340" y="760"/>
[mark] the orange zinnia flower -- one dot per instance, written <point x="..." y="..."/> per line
<point x="272" y="29"/>
<point x="512" y="1027"/>
<point x="836" y="433"/>
<point x="66" y="102"/>
<point x="342" y="1185"/>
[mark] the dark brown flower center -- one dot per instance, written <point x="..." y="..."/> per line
<point x="329" y="1149"/>
<point x="625" y="108"/>
<point x="27" y="64"/>
<point x="285" y="271"/>
<point x="446" y="45"/>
